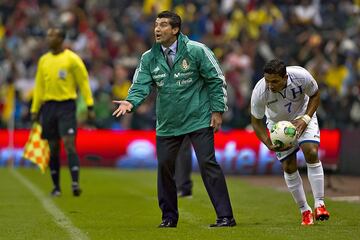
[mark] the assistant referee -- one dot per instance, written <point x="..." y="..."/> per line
<point x="59" y="73"/>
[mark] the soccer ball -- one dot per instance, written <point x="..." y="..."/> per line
<point x="283" y="133"/>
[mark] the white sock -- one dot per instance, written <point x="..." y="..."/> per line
<point x="316" y="179"/>
<point x="295" y="186"/>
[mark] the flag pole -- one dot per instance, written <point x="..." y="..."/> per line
<point x="11" y="140"/>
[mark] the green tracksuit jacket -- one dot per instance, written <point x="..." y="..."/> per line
<point x="187" y="93"/>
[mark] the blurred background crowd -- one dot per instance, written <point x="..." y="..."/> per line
<point x="110" y="35"/>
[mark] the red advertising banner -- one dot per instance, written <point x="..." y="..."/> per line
<point x="238" y="151"/>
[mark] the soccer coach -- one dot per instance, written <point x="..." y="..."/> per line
<point x="191" y="97"/>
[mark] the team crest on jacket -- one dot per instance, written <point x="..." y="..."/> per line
<point x="185" y="65"/>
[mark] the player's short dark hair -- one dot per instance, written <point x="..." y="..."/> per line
<point x="175" y="20"/>
<point x="275" y="66"/>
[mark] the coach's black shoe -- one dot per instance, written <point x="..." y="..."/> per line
<point x="55" y="192"/>
<point x="76" y="191"/>
<point x="224" y="222"/>
<point x="168" y="223"/>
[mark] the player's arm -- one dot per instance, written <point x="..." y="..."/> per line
<point x="314" y="102"/>
<point x="258" y="106"/>
<point x="261" y="132"/>
<point x="302" y="122"/>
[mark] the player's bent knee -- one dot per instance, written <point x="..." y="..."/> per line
<point x="289" y="167"/>
<point x="290" y="170"/>
<point x="311" y="155"/>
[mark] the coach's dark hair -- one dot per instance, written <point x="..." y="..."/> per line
<point x="175" y="20"/>
<point x="275" y="66"/>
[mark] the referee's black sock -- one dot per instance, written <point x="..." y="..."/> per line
<point x="55" y="171"/>
<point x="55" y="178"/>
<point x="74" y="167"/>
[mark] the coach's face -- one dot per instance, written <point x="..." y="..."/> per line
<point x="275" y="82"/>
<point x="164" y="33"/>
<point x="54" y="38"/>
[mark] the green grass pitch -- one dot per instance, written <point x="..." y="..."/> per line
<point x="122" y="204"/>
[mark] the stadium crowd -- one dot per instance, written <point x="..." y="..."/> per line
<point x="321" y="35"/>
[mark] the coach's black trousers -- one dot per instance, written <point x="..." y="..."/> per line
<point x="183" y="168"/>
<point x="211" y="173"/>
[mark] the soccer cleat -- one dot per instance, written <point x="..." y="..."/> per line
<point x="307" y="218"/>
<point x="55" y="193"/>
<point x="224" y="222"/>
<point x="321" y="213"/>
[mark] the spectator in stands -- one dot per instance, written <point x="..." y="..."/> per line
<point x="97" y="33"/>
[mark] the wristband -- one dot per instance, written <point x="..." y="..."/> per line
<point x="306" y="118"/>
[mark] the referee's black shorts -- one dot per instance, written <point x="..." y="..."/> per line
<point x="58" y="119"/>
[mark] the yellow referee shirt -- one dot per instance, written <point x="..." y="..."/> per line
<point x="58" y="77"/>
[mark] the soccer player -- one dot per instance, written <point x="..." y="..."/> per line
<point x="59" y="73"/>
<point x="191" y="97"/>
<point x="291" y="93"/>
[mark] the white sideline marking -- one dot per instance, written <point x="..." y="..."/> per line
<point x="58" y="216"/>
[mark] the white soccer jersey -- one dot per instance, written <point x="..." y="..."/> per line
<point x="287" y="104"/>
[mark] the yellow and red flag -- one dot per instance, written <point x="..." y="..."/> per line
<point x="37" y="149"/>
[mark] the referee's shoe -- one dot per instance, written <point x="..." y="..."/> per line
<point x="76" y="190"/>
<point x="55" y="192"/>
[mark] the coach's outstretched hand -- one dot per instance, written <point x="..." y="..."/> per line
<point x="124" y="106"/>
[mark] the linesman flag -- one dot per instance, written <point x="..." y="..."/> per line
<point x="37" y="149"/>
